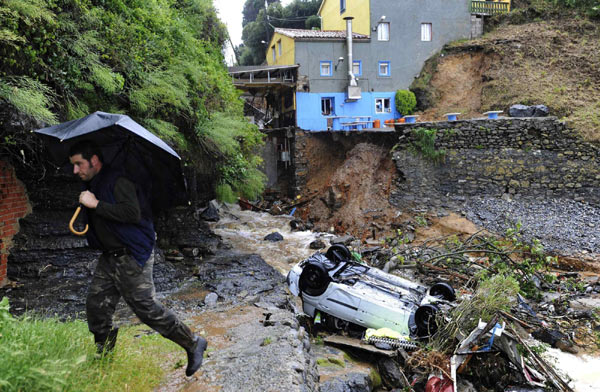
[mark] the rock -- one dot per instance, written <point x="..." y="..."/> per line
<point x="317" y="244"/>
<point x="345" y="240"/>
<point x="353" y="382"/>
<point x="210" y="213"/>
<point x="274" y="237"/>
<point x="298" y="225"/>
<point x="211" y="299"/>
<point x="540" y="111"/>
<point x="519" y="110"/>
<point x="555" y="339"/>
<point x="528" y="111"/>
<point x="391" y="374"/>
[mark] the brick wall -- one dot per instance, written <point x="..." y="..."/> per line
<point x="13" y="205"/>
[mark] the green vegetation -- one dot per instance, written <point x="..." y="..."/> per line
<point x="405" y="102"/>
<point x="423" y="143"/>
<point x="51" y="355"/>
<point x="158" y="62"/>
<point x="493" y="295"/>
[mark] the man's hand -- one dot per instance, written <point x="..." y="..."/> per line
<point x="88" y="199"/>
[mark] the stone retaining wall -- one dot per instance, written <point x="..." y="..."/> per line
<point x="538" y="157"/>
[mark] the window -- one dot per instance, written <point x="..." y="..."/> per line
<point x="357" y="67"/>
<point x="326" y="106"/>
<point x="273" y="50"/>
<point x="383" y="31"/>
<point x="342" y="6"/>
<point x="384" y="68"/>
<point x="326" y="68"/>
<point x="382" y="105"/>
<point x="279" y="47"/>
<point x="425" y="31"/>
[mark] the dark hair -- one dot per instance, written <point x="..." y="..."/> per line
<point x="87" y="149"/>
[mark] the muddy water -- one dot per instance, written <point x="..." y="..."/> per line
<point x="245" y="231"/>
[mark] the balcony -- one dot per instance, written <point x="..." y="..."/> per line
<point x="490" y="7"/>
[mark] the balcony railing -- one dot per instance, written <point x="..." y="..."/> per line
<point x="490" y="7"/>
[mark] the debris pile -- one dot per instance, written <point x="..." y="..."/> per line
<point x="513" y="304"/>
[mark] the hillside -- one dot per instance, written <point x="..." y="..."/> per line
<point x="555" y="62"/>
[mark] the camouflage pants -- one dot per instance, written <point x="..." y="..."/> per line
<point x="122" y="276"/>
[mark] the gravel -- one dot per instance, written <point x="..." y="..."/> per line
<point x="563" y="226"/>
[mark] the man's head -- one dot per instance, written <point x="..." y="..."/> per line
<point x="86" y="158"/>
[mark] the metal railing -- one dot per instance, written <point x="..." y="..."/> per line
<point x="490" y="7"/>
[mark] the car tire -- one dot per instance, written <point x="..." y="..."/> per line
<point x="425" y="320"/>
<point x="338" y="253"/>
<point x="443" y="291"/>
<point x="314" y="279"/>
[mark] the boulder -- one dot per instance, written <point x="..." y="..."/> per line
<point x="210" y="213"/>
<point x="353" y="382"/>
<point x="317" y="244"/>
<point x="274" y="237"/>
<point x="519" y="110"/>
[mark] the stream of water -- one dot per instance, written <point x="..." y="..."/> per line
<point x="245" y="231"/>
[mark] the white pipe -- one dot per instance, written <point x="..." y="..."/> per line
<point x="349" y="44"/>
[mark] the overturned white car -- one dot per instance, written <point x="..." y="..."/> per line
<point x="345" y="291"/>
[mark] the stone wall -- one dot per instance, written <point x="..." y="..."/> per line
<point x="537" y="157"/>
<point x="13" y="205"/>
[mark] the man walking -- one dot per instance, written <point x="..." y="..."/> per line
<point x="120" y="224"/>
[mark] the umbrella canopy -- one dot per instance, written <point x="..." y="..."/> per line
<point x="145" y="158"/>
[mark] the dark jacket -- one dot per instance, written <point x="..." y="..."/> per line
<point x="137" y="234"/>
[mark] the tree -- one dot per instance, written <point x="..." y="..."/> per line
<point x="259" y="24"/>
<point x="159" y="62"/>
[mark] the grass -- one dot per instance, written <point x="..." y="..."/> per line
<point x="46" y="354"/>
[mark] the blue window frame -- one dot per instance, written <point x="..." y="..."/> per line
<point x="342" y="6"/>
<point x="357" y="67"/>
<point x="327" y="106"/>
<point x="384" y="68"/>
<point x="325" y="68"/>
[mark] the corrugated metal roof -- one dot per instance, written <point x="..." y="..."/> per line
<point x="318" y="34"/>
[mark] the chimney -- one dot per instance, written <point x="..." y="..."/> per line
<point x="353" y="89"/>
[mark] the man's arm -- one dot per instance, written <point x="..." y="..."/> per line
<point x="126" y="209"/>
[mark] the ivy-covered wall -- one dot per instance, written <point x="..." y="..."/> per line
<point x="538" y="157"/>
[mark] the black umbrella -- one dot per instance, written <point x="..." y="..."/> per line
<point x="146" y="159"/>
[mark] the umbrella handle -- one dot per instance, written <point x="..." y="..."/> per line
<point x="77" y="211"/>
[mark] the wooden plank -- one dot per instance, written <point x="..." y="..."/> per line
<point x="345" y="341"/>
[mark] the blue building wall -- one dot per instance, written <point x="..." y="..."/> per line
<point x="308" y="109"/>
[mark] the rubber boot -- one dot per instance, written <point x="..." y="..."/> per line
<point x="196" y="355"/>
<point x="105" y="344"/>
<point x="194" y="347"/>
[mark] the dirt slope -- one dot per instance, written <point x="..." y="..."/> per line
<point x="353" y="196"/>
<point x="553" y="62"/>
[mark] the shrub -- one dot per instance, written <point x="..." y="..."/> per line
<point x="405" y="101"/>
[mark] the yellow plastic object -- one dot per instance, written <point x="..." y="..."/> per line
<point x="72" y="221"/>
<point x="384" y="333"/>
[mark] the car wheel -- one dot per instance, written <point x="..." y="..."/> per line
<point x="443" y="291"/>
<point x="314" y="280"/>
<point x="425" y="320"/>
<point x="335" y="324"/>
<point x="338" y="253"/>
